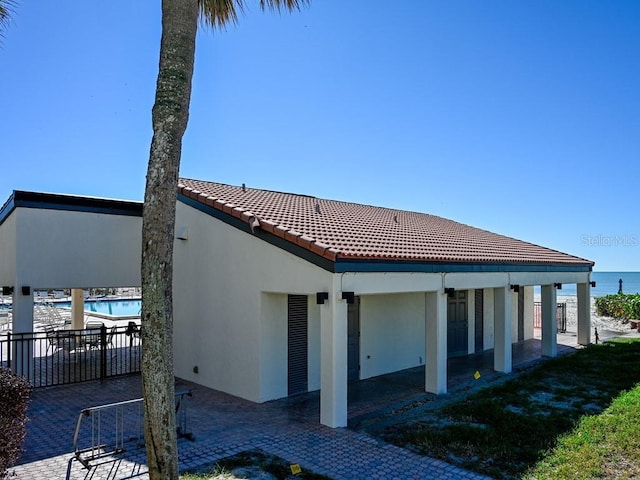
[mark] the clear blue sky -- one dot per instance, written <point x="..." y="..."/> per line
<point x="520" y="117"/>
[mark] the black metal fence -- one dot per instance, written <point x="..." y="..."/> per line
<point x="561" y="316"/>
<point x="59" y="357"/>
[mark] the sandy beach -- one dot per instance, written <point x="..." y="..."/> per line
<point x="607" y="326"/>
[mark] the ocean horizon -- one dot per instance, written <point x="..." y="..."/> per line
<point x="607" y="283"/>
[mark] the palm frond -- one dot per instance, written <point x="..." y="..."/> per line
<point x="6" y="9"/>
<point x="279" y="5"/>
<point x="220" y="13"/>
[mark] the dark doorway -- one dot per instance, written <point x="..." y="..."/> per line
<point x="353" y="340"/>
<point x="297" y="356"/>
<point x="457" y="325"/>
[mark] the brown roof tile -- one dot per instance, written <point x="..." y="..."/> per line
<point x="336" y="229"/>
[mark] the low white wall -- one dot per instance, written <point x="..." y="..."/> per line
<point x="391" y="333"/>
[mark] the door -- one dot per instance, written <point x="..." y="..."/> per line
<point x="457" y="325"/>
<point x="479" y="330"/>
<point x="297" y="357"/>
<point x="353" y="340"/>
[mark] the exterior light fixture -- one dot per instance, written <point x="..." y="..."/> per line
<point x="515" y="288"/>
<point x="321" y="297"/>
<point x="349" y="297"/>
<point x="593" y="284"/>
<point x="558" y="286"/>
<point x="450" y="292"/>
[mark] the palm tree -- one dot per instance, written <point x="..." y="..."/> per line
<point x="5" y="14"/>
<point x="169" y="118"/>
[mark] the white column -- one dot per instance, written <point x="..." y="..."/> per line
<point x="584" y="313"/>
<point x="333" y="359"/>
<point x="471" y="315"/>
<point x="435" y="370"/>
<point x="549" y="321"/>
<point x="77" y="309"/>
<point x="22" y="311"/>
<point x="502" y="309"/>
<point x="22" y="322"/>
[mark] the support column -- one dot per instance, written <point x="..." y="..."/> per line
<point x="502" y="319"/>
<point x="333" y="359"/>
<point x="22" y="322"/>
<point x="549" y="321"/>
<point x="584" y="313"/>
<point x="77" y="309"/>
<point x="435" y="370"/>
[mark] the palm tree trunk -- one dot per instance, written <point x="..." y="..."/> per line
<point x="170" y="116"/>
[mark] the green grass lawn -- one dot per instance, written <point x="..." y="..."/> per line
<point x="601" y="446"/>
<point x="569" y="417"/>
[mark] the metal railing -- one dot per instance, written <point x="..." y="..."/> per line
<point x="561" y="316"/>
<point x="106" y="431"/>
<point x="60" y="356"/>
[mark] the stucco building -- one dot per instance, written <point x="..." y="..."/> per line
<point x="277" y="294"/>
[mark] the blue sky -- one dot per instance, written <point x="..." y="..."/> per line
<point x="522" y="118"/>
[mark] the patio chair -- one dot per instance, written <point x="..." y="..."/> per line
<point x="60" y="340"/>
<point x="110" y="336"/>
<point x="91" y="339"/>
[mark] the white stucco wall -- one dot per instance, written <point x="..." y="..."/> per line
<point x="8" y="251"/>
<point x="391" y="333"/>
<point x="230" y="308"/>
<point x="69" y="249"/>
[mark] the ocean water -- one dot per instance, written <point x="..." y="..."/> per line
<point x="606" y="284"/>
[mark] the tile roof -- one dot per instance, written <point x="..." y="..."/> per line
<point x="342" y="230"/>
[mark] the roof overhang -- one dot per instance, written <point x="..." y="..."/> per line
<point x="54" y="201"/>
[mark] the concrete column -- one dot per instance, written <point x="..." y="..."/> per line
<point x="22" y="311"/>
<point x="77" y="309"/>
<point x="502" y="324"/>
<point x="528" y="312"/>
<point x="333" y="359"/>
<point x="22" y="322"/>
<point x="471" y="315"/>
<point x="584" y="313"/>
<point x="435" y="370"/>
<point x="487" y="314"/>
<point x="549" y="321"/>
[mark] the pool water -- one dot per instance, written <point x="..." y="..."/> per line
<point x="117" y="308"/>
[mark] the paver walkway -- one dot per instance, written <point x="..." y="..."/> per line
<point x="224" y="425"/>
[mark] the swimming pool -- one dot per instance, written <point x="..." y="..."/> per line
<point x="116" y="308"/>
